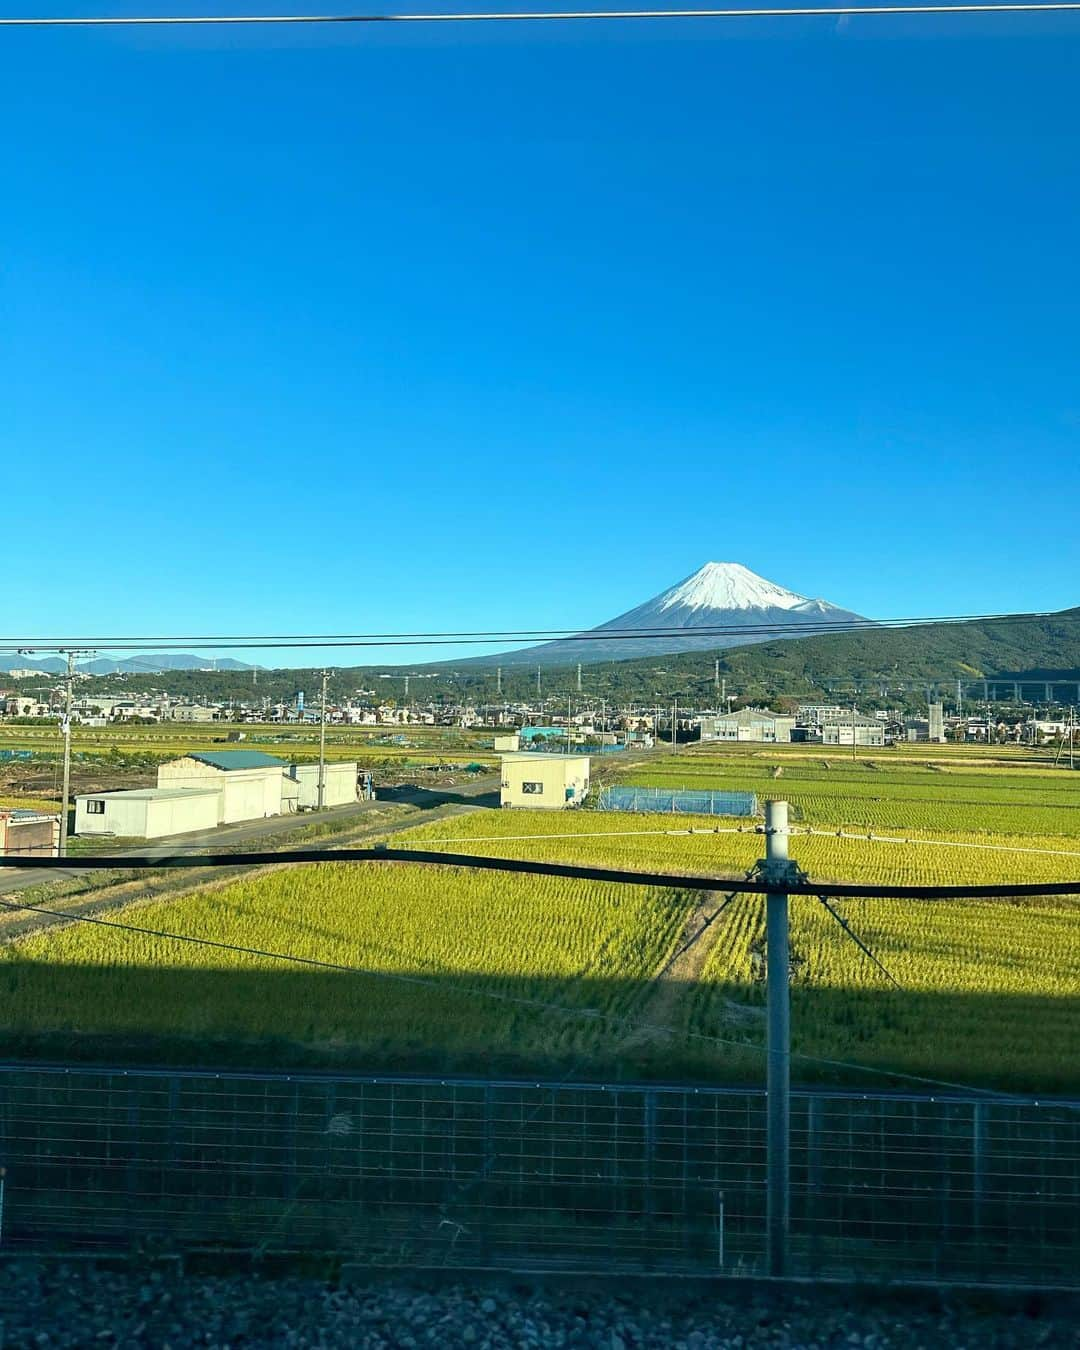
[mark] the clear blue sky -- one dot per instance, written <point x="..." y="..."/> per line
<point x="473" y="327"/>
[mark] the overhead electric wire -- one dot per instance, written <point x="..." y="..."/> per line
<point x="567" y="633"/>
<point x="870" y="838"/>
<point x="534" y="16"/>
<point x="481" y="862"/>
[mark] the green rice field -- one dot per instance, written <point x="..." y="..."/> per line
<point x="453" y="970"/>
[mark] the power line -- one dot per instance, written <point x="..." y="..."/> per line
<point x="940" y="843"/>
<point x="536" y="16"/>
<point x="481" y="862"/>
<point x="566" y="633"/>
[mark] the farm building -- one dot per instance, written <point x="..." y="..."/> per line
<point x="508" y="742"/>
<point x="252" y="784"/>
<point x="31" y="834"/>
<point x="148" y="813"/>
<point x="748" y="724"/>
<point x="869" y="731"/>
<point x="342" y="783"/>
<point x="551" y="782"/>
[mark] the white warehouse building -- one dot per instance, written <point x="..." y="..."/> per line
<point x="203" y="790"/>
<point x="148" y="813"/>
<point x="868" y="731"/>
<point x="251" y="783"/>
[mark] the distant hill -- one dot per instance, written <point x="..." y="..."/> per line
<point x="134" y="665"/>
<point x="719" y="595"/>
<point x="1036" y="647"/>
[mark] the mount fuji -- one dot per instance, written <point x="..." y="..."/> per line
<point x="722" y="596"/>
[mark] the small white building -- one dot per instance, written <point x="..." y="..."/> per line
<point x="545" y="782"/>
<point x="251" y="783"/>
<point x="508" y="743"/>
<point x="148" y="813"/>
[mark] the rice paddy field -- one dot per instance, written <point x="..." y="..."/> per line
<point x="152" y="744"/>
<point x="453" y="970"/>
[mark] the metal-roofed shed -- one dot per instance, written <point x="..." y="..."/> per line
<point x="231" y="760"/>
<point x="251" y="782"/>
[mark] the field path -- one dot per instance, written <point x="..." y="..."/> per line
<point x="676" y="980"/>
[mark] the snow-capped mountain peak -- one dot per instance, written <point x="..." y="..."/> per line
<point x="728" y="585"/>
<point x="722" y="605"/>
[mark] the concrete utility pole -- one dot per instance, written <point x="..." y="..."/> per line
<point x="716" y="675"/>
<point x="853" y="741"/>
<point x="498" y="680"/>
<point x="675" y="727"/>
<point x="579" y="677"/>
<point x="322" y="744"/>
<point x="776" y="868"/>
<point x="65" y="728"/>
<point x="537" y="681"/>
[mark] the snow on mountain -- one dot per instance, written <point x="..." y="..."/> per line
<point x="728" y="585"/>
<point x="719" y="595"/>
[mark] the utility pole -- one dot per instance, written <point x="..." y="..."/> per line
<point x="498" y="680"/>
<point x="716" y="676"/>
<point x="853" y="746"/>
<point x="675" y="727"/>
<point x="537" y="681"/>
<point x="65" y="728"/>
<point x="579" y="677"/>
<point x="322" y="745"/>
<point x="777" y="868"/>
<point x="406" y="688"/>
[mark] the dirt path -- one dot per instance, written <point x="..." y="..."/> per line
<point x="661" y="1007"/>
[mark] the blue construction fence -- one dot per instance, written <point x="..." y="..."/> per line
<point x="686" y="801"/>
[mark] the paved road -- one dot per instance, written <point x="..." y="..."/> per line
<point x="477" y="794"/>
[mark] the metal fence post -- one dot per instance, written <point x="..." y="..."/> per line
<point x="978" y="1177"/>
<point x="777" y="868"/>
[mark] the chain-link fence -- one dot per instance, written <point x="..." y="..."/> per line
<point x="416" y="1172"/>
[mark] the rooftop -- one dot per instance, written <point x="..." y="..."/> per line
<point x="528" y="756"/>
<point x="148" y="794"/>
<point x="237" y="759"/>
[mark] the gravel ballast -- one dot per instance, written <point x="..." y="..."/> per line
<point x="53" y="1304"/>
